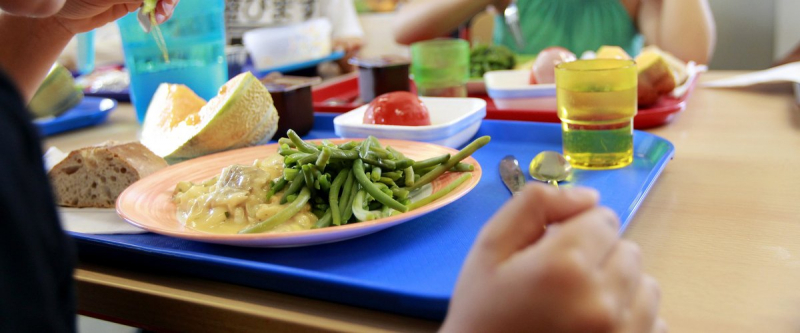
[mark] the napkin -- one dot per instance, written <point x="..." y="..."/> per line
<point x="780" y="74"/>
<point x="88" y="220"/>
<point x="95" y="221"/>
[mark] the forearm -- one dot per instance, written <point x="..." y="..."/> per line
<point x="684" y="28"/>
<point x="421" y="20"/>
<point x="29" y="48"/>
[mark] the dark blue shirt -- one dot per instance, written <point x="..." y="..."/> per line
<point x="36" y="257"/>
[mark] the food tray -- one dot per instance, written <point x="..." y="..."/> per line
<point x="342" y="96"/>
<point x="89" y="112"/>
<point x="408" y="269"/>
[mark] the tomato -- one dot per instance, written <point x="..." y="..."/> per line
<point x="544" y="68"/>
<point x="397" y="108"/>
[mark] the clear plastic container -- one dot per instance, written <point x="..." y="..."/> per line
<point x="276" y="46"/>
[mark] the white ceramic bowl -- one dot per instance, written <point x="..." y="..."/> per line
<point x="454" y="121"/>
<point x="511" y="90"/>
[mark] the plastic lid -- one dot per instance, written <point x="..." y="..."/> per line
<point x="380" y="62"/>
<point x="276" y="82"/>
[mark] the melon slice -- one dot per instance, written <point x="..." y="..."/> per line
<point x="179" y="125"/>
<point x="677" y="66"/>
<point x="612" y="52"/>
<point x="655" y="77"/>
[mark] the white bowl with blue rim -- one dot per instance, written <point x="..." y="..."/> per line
<point x="454" y="121"/>
<point x="511" y="90"/>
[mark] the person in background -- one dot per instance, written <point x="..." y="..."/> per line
<point x="36" y="257"/>
<point x="684" y="28"/>
<point x="576" y="275"/>
<point x="346" y="34"/>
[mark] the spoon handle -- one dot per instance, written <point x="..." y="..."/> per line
<point x="553" y="182"/>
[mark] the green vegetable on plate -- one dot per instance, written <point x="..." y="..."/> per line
<point x="356" y="181"/>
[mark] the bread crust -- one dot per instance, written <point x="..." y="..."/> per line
<point x="95" y="176"/>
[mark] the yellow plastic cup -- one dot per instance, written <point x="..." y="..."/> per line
<point x="596" y="101"/>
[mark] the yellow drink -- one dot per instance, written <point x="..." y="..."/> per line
<point x="596" y="104"/>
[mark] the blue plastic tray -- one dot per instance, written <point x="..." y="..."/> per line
<point x="409" y="269"/>
<point x="91" y="111"/>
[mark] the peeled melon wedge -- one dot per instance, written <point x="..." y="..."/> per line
<point x="179" y="125"/>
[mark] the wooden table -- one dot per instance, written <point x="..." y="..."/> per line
<point x="720" y="230"/>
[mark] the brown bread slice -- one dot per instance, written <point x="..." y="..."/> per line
<point x="95" y="176"/>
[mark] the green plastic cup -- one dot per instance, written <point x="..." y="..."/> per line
<point x="440" y="67"/>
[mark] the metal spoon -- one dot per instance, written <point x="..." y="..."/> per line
<point x="511" y="174"/>
<point x="551" y="167"/>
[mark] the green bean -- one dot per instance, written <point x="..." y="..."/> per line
<point x="290" y="198"/>
<point x="463" y="167"/>
<point x="375" y="175"/>
<point x="323" y="158"/>
<point x="324" y="182"/>
<point x="346" y="195"/>
<point x="290" y="173"/>
<point x="363" y="149"/>
<point x="301" y="145"/>
<point x="361" y="177"/>
<point x="348" y="211"/>
<point x="373" y="159"/>
<point x="394" y="175"/>
<point x="311" y="158"/>
<point x="281" y="216"/>
<point x="348" y="145"/>
<point x="382" y="153"/>
<point x="275" y="187"/>
<point x="308" y="174"/>
<point x="399" y="193"/>
<point x="333" y="195"/>
<point x="387" y="181"/>
<point x="397" y="154"/>
<point x="285" y="150"/>
<point x="433" y="161"/>
<point x="295" y="186"/>
<point x="286" y="141"/>
<point x="420" y="172"/>
<point x="442" y="168"/>
<point x="291" y="159"/>
<point x="387" y="192"/>
<point x="403" y="163"/>
<point x="325" y="220"/>
<point x="344" y="154"/>
<point x="358" y="208"/>
<point x="409" y="172"/>
<point x="440" y="193"/>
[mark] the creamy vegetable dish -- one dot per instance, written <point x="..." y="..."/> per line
<point x="237" y="199"/>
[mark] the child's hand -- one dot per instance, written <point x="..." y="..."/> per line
<point x="578" y="276"/>
<point x="84" y="15"/>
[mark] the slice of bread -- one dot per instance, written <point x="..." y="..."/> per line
<point x="95" y="176"/>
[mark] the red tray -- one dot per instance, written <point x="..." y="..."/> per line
<point x="341" y="95"/>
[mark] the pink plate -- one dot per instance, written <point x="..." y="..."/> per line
<point x="148" y="203"/>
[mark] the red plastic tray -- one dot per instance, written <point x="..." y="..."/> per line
<point x="341" y="95"/>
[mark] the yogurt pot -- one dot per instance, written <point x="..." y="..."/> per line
<point x="380" y="75"/>
<point x="292" y="98"/>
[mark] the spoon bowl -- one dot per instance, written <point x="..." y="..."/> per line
<point x="551" y="167"/>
